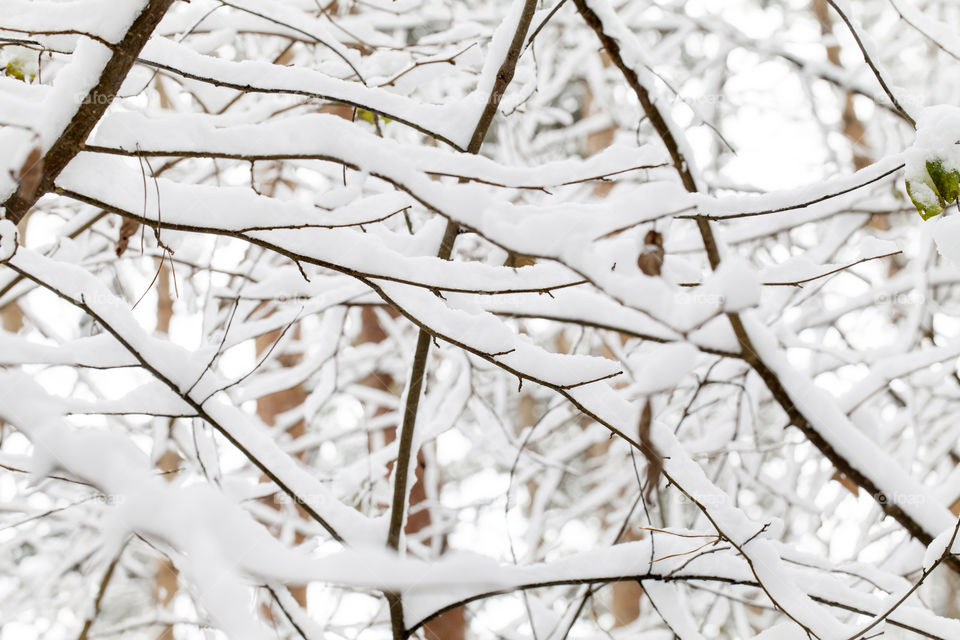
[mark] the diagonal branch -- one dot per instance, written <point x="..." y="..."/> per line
<point x="262" y="460"/>
<point x="870" y="63"/>
<point x="92" y="108"/>
<point x="649" y="109"/>
<point x="750" y="354"/>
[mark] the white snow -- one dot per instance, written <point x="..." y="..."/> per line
<point x="945" y="230"/>
<point x="938" y="546"/>
<point x="663" y="367"/>
<point x="9" y="239"/>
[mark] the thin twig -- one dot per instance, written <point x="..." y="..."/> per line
<point x="871" y="63"/>
<point x="102" y="590"/>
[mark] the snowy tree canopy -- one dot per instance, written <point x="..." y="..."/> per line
<point x="486" y="319"/>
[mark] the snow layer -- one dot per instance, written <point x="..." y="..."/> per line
<point x="851" y="443"/>
<point x="107" y="19"/>
<point x="188" y="376"/>
<point x="9" y="239"/>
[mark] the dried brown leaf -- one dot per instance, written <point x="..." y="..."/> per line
<point x="517" y="260"/>
<point x="650" y="452"/>
<point x="127" y="229"/>
<point x="847" y="483"/>
<point x="30" y="174"/>
<point x="650" y="259"/>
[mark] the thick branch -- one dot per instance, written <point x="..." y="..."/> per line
<point x="92" y="108"/>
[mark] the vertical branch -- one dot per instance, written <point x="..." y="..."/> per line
<point x="418" y="367"/>
<point x="405" y="452"/>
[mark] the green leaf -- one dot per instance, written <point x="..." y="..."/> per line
<point x="369" y="116"/>
<point x="947" y="183"/>
<point x="937" y="189"/>
<point x="22" y="69"/>
<point x="925" y="199"/>
<point x="14" y="69"/>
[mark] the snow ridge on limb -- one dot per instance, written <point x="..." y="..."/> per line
<point x="604" y="20"/>
<point x="190" y="378"/>
<point x="599" y="401"/>
<point x="97" y="77"/>
<point x="114" y="466"/>
<point x="890" y="483"/>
